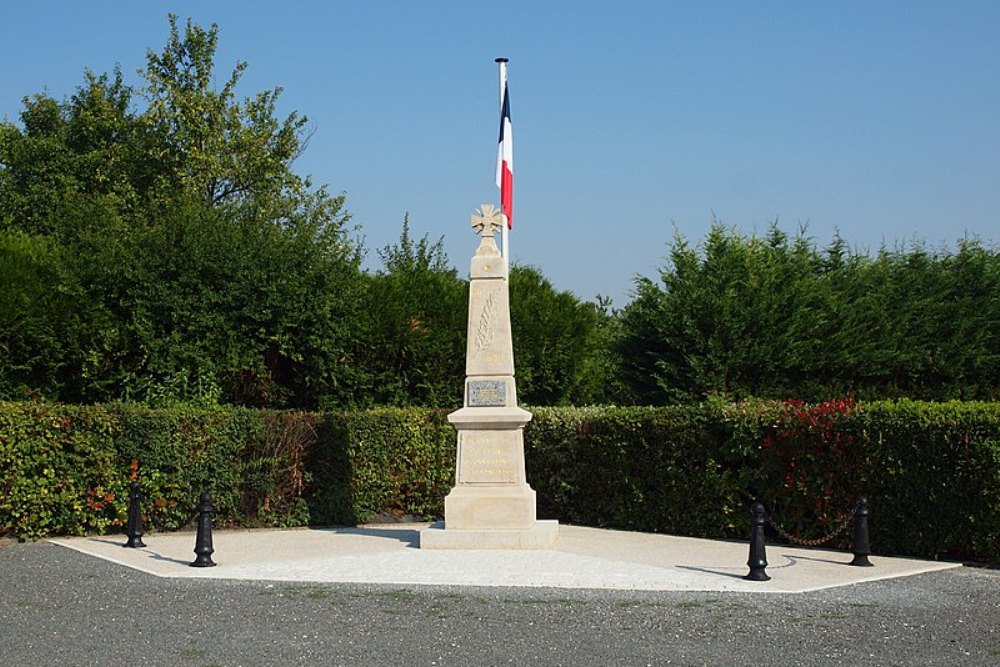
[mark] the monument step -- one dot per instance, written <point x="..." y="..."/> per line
<point x="542" y="535"/>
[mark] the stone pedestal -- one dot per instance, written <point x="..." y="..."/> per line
<point x="491" y="505"/>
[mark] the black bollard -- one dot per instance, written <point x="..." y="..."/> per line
<point x="859" y="546"/>
<point x="203" y="543"/>
<point x="758" y="552"/>
<point x="134" y="528"/>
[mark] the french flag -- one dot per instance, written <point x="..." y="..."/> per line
<point x="505" y="162"/>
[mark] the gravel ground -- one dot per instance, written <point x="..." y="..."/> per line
<point x="60" y="607"/>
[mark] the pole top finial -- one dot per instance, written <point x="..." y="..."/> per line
<point x="502" y="60"/>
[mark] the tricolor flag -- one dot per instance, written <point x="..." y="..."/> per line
<point x="505" y="162"/>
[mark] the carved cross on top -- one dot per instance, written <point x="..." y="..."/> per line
<point x="486" y="220"/>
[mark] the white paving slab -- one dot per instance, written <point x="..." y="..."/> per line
<point x="582" y="558"/>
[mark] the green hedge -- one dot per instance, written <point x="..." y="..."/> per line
<point x="649" y="469"/>
<point x="66" y="469"/>
<point x="934" y="477"/>
<point x="58" y="470"/>
<point x="931" y="471"/>
<point x="383" y="461"/>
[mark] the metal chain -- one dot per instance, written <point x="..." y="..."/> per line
<point x="813" y="543"/>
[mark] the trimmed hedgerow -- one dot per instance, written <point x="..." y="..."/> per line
<point x="66" y="469"/>
<point x="931" y="471"/>
<point x="59" y="472"/>
<point x="649" y="469"/>
<point x="383" y="461"/>
<point x="804" y="461"/>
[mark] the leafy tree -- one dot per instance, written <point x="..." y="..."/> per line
<point x="82" y="152"/>
<point x="190" y="141"/>
<point x="35" y="309"/>
<point x="416" y="342"/>
<point x="553" y="334"/>
<point x="209" y="300"/>
<point x="210" y="145"/>
<point x="204" y="263"/>
<point x="600" y="379"/>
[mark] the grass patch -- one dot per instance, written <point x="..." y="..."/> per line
<point x="297" y="591"/>
<point x="640" y="604"/>
<point x="834" y="615"/>
<point x="401" y="595"/>
<point x="564" y="602"/>
<point x="691" y="604"/>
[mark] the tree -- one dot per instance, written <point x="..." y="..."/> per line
<point x="37" y="312"/>
<point x="776" y="317"/>
<point x="82" y="152"/>
<point x="203" y="261"/>
<point x="207" y="143"/>
<point x="600" y="379"/>
<point x="418" y="308"/>
<point x="553" y="333"/>
<point x="209" y="300"/>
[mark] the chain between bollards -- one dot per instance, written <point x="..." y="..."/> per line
<point x="203" y="542"/>
<point x="758" y="547"/>
<point x="134" y="528"/>
<point x="758" y="519"/>
<point x="794" y="539"/>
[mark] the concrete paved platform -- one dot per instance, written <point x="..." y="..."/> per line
<point x="581" y="558"/>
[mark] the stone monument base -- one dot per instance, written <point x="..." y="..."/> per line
<point x="472" y="507"/>
<point x="540" y="535"/>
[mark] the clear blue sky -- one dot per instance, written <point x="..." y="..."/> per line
<point x="631" y="119"/>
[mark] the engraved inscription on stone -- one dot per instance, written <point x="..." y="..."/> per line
<point x="487" y="394"/>
<point x="487" y="458"/>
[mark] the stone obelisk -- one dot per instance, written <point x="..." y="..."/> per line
<point x="491" y="505"/>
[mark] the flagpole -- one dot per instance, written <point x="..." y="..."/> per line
<point x="505" y="230"/>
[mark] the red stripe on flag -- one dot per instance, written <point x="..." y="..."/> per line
<point x="507" y="194"/>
